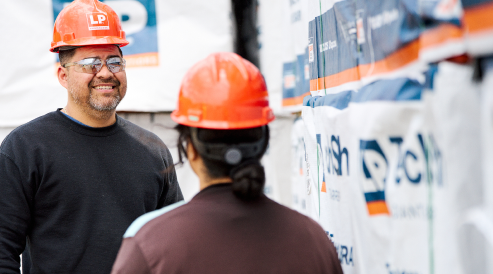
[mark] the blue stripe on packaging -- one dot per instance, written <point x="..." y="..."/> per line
<point x="401" y="89"/>
<point x="375" y="196"/>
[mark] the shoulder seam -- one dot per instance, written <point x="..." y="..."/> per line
<point x="140" y="222"/>
<point x="143" y="256"/>
<point x="7" y="156"/>
<point x="13" y="162"/>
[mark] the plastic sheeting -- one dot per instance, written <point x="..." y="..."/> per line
<point x="396" y="166"/>
<point x="350" y="44"/>
<point x="355" y="43"/>
<point x="392" y="174"/>
<point x="353" y="153"/>
<point x="167" y="37"/>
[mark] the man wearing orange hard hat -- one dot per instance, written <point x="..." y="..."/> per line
<point x="230" y="226"/>
<point x="73" y="180"/>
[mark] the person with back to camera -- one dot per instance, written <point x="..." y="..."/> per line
<point x="230" y="226"/>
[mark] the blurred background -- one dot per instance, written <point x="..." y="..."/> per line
<point x="384" y="110"/>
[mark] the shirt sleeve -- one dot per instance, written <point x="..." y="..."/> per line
<point x="334" y="265"/>
<point x="171" y="192"/>
<point x="15" y="198"/>
<point x="130" y="259"/>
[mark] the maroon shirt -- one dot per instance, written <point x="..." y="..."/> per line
<point x="218" y="233"/>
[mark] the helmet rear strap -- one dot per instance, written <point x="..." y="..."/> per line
<point x="229" y="153"/>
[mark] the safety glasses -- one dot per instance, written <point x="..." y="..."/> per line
<point x="93" y="65"/>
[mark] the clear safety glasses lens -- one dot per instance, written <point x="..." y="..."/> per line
<point x="89" y="65"/>
<point x="94" y="65"/>
<point x="115" y="64"/>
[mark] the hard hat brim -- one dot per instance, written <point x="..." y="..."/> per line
<point x="267" y="117"/>
<point x="91" y="41"/>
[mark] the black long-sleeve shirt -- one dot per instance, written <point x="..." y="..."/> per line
<point x="73" y="190"/>
<point x="218" y="233"/>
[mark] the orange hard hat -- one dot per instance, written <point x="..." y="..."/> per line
<point x="87" y="22"/>
<point x="223" y="91"/>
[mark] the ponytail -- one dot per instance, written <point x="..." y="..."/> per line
<point x="248" y="176"/>
<point x="248" y="180"/>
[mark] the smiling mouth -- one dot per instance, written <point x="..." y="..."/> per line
<point x="104" y="88"/>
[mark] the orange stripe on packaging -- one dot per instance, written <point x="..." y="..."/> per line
<point x="293" y="101"/>
<point x="439" y="35"/>
<point x="377" y="207"/>
<point x="479" y="18"/>
<point x="394" y="61"/>
<point x="317" y="84"/>
<point x="349" y="75"/>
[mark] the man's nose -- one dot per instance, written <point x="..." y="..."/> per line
<point x="104" y="73"/>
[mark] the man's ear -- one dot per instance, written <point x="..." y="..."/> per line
<point x="62" y="74"/>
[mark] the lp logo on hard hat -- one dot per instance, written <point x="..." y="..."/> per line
<point x="97" y="21"/>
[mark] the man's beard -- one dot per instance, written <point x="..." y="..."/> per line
<point x="99" y="103"/>
<point x="100" y="106"/>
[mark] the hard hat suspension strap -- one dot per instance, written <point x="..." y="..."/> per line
<point x="229" y="153"/>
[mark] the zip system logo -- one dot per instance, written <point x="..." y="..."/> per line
<point x="416" y="163"/>
<point x="374" y="164"/>
<point x="97" y="21"/>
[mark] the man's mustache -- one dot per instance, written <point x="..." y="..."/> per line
<point x="115" y="82"/>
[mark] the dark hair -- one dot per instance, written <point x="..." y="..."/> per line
<point x="66" y="55"/>
<point x="248" y="176"/>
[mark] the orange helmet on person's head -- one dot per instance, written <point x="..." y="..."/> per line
<point x="87" y="22"/>
<point x="223" y="91"/>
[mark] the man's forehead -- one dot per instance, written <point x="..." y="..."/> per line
<point x="96" y="51"/>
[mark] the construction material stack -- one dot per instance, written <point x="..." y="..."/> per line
<point x="392" y="153"/>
